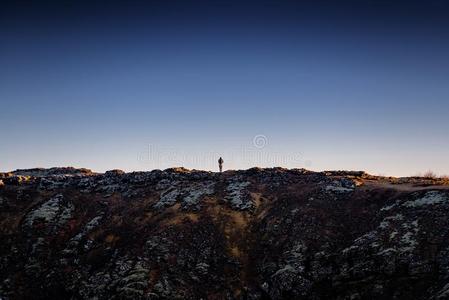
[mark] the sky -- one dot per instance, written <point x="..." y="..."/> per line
<point x="141" y="85"/>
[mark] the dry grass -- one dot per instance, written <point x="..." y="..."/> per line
<point x="111" y="238"/>
<point x="445" y="179"/>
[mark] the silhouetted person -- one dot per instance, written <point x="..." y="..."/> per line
<point x="220" y="164"/>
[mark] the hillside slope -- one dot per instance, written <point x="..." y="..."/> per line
<point x="254" y="234"/>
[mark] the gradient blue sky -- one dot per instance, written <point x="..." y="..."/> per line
<point x="362" y="85"/>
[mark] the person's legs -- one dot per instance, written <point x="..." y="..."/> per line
<point x="221" y="168"/>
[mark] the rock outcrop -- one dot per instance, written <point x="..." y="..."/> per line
<point x="257" y="234"/>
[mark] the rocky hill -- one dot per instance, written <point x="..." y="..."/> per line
<point x="256" y="234"/>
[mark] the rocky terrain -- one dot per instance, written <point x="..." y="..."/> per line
<point x="257" y="234"/>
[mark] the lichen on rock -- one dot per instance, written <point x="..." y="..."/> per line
<point x="55" y="212"/>
<point x="189" y="195"/>
<point x="237" y="195"/>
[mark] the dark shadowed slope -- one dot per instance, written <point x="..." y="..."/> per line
<point x="255" y="234"/>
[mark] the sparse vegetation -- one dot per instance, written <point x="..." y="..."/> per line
<point x="430" y="174"/>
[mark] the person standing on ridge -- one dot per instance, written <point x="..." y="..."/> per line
<point x="220" y="164"/>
